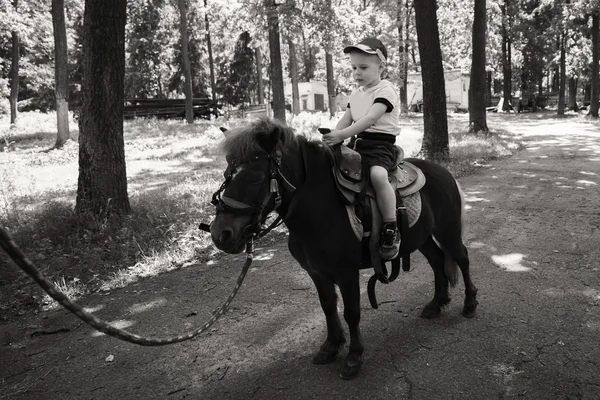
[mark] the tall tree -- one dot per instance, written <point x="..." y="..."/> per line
<point x="506" y="56"/>
<point x="102" y="183"/>
<point x="595" y="88"/>
<point x="477" y="87"/>
<point x="14" y="71"/>
<point x="276" y="68"/>
<point x="563" y="73"/>
<point x="294" y="77"/>
<point x="259" y="77"/>
<point x="185" y="56"/>
<point x="403" y="18"/>
<point x="329" y="60"/>
<point x="211" y="63"/>
<point x="435" y="118"/>
<point x="573" y="94"/>
<point x="61" y="72"/>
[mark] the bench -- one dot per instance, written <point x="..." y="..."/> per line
<point x="203" y="108"/>
<point x="249" y="111"/>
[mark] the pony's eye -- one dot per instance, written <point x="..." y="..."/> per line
<point x="254" y="177"/>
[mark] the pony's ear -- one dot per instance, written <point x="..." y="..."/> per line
<point x="269" y="140"/>
<point x="223" y="129"/>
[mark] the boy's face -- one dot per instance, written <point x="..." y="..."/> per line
<point x="366" y="68"/>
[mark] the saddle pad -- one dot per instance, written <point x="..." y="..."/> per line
<point x="413" y="210"/>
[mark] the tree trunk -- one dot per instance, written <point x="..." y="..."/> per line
<point x="563" y="75"/>
<point x="506" y="59"/>
<point x="102" y="183"/>
<point x="185" y="59"/>
<point x="14" y="73"/>
<point x="14" y="77"/>
<point x="278" y="102"/>
<point x="294" y="76"/>
<point x="477" y="112"/>
<point x="403" y="23"/>
<point x="573" y="94"/>
<point x="259" y="77"/>
<point x="435" y="139"/>
<point x="330" y="83"/>
<point x="211" y="62"/>
<point x="488" y="90"/>
<point x="595" y="89"/>
<point x="61" y="72"/>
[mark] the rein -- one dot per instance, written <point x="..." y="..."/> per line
<point x="11" y="248"/>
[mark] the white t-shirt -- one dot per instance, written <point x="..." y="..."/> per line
<point x="384" y="92"/>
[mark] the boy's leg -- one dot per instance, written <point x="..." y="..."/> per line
<point x="386" y="200"/>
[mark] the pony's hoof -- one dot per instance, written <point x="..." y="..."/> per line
<point x="324" y="357"/>
<point x="469" y="310"/>
<point x="351" y="367"/>
<point x="327" y="353"/>
<point x="431" y="311"/>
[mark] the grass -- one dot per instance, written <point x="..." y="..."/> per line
<point x="172" y="173"/>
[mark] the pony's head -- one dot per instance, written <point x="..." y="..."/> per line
<point x="253" y="181"/>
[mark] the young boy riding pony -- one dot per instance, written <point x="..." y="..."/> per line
<point x="372" y="115"/>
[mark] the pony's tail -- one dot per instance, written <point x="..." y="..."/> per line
<point x="450" y="264"/>
<point x="463" y="203"/>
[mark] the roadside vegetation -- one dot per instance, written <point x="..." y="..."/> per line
<point x="173" y="169"/>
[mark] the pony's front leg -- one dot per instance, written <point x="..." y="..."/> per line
<point x="335" y="334"/>
<point x="349" y="287"/>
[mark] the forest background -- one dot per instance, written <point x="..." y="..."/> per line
<point x="535" y="46"/>
<point x="229" y="46"/>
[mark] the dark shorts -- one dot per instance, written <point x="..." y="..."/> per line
<point x="377" y="152"/>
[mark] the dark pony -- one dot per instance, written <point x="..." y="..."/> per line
<point x="270" y="168"/>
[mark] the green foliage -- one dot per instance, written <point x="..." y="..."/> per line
<point x="236" y="90"/>
<point x="153" y="46"/>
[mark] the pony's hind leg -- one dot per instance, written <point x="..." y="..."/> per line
<point x="435" y="257"/>
<point x="462" y="259"/>
<point x="335" y="334"/>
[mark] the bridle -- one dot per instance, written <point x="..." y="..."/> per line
<point x="271" y="198"/>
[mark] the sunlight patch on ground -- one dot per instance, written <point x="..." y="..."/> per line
<point x="92" y="310"/>
<point x="588" y="173"/>
<point x="264" y="257"/>
<point x="468" y="207"/>
<point x="586" y="183"/>
<point x="592" y="293"/>
<point x="510" y="262"/>
<point x="138" y="308"/>
<point x="120" y="324"/>
<point x="472" y="197"/>
<point x="476" y="245"/>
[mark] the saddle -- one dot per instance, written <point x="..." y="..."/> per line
<point x="351" y="179"/>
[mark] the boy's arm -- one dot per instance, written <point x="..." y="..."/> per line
<point x="339" y="135"/>
<point x="346" y="120"/>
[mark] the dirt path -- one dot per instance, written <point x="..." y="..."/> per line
<point x="534" y="239"/>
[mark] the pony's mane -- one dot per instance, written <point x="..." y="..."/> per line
<point x="243" y="142"/>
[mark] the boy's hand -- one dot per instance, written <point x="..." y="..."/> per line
<point x="333" y="137"/>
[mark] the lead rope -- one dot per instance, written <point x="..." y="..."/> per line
<point x="11" y="248"/>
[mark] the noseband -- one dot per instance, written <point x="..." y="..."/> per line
<point x="271" y="200"/>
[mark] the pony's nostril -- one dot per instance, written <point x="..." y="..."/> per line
<point x="225" y="235"/>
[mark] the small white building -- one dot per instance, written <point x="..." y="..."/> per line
<point x="457" y="89"/>
<point x="313" y="95"/>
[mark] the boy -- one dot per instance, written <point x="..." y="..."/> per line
<point x="372" y="114"/>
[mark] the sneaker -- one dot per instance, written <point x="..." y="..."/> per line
<point x="390" y="242"/>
